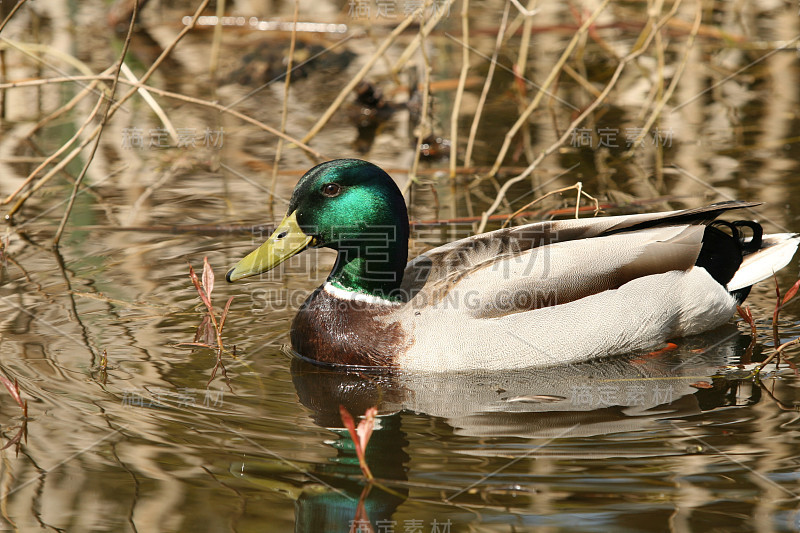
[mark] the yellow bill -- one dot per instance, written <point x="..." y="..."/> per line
<point x="287" y="240"/>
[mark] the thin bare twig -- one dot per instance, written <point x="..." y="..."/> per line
<point x="103" y="121"/>
<point x="520" y="67"/>
<point x="216" y="42"/>
<point x="103" y="76"/>
<point x="50" y="159"/>
<point x="672" y="85"/>
<point x="11" y="14"/>
<point x="348" y="88"/>
<point x="162" y="116"/>
<point x="642" y="45"/>
<point x="441" y="9"/>
<point x="777" y="353"/>
<point x="462" y="81"/>
<point x="554" y="73"/>
<point x="75" y="100"/>
<point x="473" y="131"/>
<point x="582" y="81"/>
<point x="113" y="108"/>
<point x="581" y="192"/>
<point x="285" y="111"/>
<point x="166" y="175"/>
<point x="423" y="121"/>
<point x="177" y="96"/>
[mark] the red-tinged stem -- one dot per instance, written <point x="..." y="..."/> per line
<point x="791" y="293"/>
<point x="361" y="521"/>
<point x="225" y="314"/>
<point x="775" y="337"/>
<point x="198" y="344"/>
<point x="747" y="316"/>
<point x="13" y="389"/>
<point x="347" y="419"/>
<point x="778" y="352"/>
<point x="207" y="301"/>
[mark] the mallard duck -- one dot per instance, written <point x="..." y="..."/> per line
<point x="539" y="294"/>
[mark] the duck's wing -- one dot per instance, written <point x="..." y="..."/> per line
<point x="547" y="263"/>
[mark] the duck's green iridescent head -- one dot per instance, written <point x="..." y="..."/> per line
<point x="351" y="206"/>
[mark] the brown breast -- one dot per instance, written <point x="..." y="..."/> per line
<point x="335" y="330"/>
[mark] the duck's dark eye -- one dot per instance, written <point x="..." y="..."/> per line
<point x="331" y="189"/>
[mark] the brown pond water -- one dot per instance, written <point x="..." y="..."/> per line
<point x="634" y="443"/>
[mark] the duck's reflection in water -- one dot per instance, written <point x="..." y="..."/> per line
<point x="545" y="407"/>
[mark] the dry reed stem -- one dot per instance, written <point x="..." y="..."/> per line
<point x="577" y="186"/>
<point x="425" y="30"/>
<point x="64" y="162"/>
<point x="102" y="124"/>
<point x="777" y="353"/>
<point x="285" y="109"/>
<point x="28" y="49"/>
<point x="581" y="80"/>
<point x="104" y="76"/>
<point x="672" y="85"/>
<point x="216" y="42"/>
<point x="657" y="93"/>
<point x="223" y="109"/>
<point x="520" y="66"/>
<point x="44" y="179"/>
<point x="642" y="45"/>
<point x="113" y="108"/>
<point x="551" y="77"/>
<point x="69" y="106"/>
<point x="526" y="12"/>
<point x="52" y="158"/>
<point x="164" y="54"/>
<point x="513" y="27"/>
<point x="524" y="44"/>
<point x="473" y="130"/>
<point x="174" y="96"/>
<point x="462" y="81"/>
<point x="347" y="89"/>
<point x="14" y="9"/>
<point x="423" y="121"/>
<point x="657" y="89"/>
<point x="387" y="63"/>
<point x="162" y="116"/>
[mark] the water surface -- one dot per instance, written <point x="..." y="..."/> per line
<point x="684" y="440"/>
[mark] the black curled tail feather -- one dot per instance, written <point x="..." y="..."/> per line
<point x="723" y="251"/>
<point x="754" y="244"/>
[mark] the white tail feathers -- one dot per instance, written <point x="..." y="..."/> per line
<point x="776" y="252"/>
